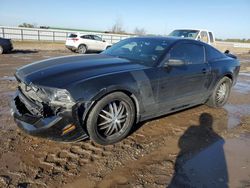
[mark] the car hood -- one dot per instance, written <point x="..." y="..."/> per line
<point x="61" y="71"/>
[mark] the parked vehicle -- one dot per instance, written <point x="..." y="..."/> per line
<point x="102" y="96"/>
<point x="83" y="43"/>
<point x="5" y="45"/>
<point x="196" y="34"/>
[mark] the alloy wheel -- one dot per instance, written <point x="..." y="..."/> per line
<point x="112" y="119"/>
<point x="221" y="93"/>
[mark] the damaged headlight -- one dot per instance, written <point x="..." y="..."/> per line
<point x="47" y="95"/>
<point x="52" y="95"/>
<point x="61" y="95"/>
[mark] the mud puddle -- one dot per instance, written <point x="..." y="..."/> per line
<point x="243" y="83"/>
<point x="7" y="78"/>
<point x="235" y="114"/>
<point x="244" y="74"/>
<point x="244" y="60"/>
<point x="216" y="166"/>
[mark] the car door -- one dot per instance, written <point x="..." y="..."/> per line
<point x="100" y="45"/>
<point x="187" y="84"/>
<point x="87" y="40"/>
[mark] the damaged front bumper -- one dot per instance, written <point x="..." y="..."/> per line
<point x="61" y="126"/>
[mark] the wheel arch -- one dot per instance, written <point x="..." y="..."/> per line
<point x="226" y="74"/>
<point x="229" y="75"/>
<point x="108" y="46"/>
<point x="83" y="45"/>
<point x="104" y="92"/>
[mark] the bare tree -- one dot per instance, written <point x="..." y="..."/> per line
<point x="27" y="25"/>
<point x="118" y="27"/>
<point x="139" y="31"/>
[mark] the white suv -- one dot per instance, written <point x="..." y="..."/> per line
<point x="83" y="43"/>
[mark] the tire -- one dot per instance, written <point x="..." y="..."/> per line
<point x="82" y="49"/>
<point x="221" y="93"/>
<point x="1" y="50"/>
<point x="111" y="119"/>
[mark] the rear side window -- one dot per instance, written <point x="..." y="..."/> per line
<point x="72" y="35"/>
<point x="191" y="53"/>
<point x="213" y="54"/>
<point x="204" y="37"/>
<point x="211" y="36"/>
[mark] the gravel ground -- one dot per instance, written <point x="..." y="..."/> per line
<point x="197" y="145"/>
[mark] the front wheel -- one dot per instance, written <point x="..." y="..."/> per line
<point x="221" y="93"/>
<point x="111" y="118"/>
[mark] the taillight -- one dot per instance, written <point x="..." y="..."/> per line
<point x="75" y="39"/>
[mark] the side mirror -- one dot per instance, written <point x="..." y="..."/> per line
<point x="174" y="62"/>
<point x="103" y="40"/>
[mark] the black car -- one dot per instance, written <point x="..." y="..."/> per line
<point x="102" y="96"/>
<point x="5" y="45"/>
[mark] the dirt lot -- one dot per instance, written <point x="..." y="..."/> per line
<point x="196" y="145"/>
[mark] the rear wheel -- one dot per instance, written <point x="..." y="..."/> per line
<point x="221" y="93"/>
<point x="82" y="49"/>
<point x="1" y="50"/>
<point x="111" y="118"/>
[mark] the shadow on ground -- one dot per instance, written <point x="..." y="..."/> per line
<point x="23" y="51"/>
<point x="201" y="160"/>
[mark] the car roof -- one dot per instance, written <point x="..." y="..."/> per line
<point x="170" y="39"/>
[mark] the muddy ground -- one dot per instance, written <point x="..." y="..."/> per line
<point x="198" y="145"/>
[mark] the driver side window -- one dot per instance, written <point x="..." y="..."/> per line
<point x="97" y="38"/>
<point x="187" y="52"/>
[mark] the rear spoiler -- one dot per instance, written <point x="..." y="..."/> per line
<point x="227" y="53"/>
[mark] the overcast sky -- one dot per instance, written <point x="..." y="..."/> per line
<point x="226" y="18"/>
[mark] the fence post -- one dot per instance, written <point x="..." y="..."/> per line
<point x="3" y="32"/>
<point x="38" y="34"/>
<point x="53" y="36"/>
<point x="22" y="34"/>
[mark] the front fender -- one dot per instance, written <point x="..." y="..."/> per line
<point x="88" y="92"/>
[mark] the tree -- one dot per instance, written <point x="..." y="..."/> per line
<point x="139" y="31"/>
<point x="27" y="25"/>
<point x="118" y="27"/>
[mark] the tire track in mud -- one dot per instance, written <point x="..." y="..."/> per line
<point x="65" y="162"/>
<point x="68" y="161"/>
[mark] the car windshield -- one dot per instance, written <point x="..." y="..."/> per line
<point x="184" y="33"/>
<point x="142" y="50"/>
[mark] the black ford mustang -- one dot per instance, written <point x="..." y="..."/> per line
<point x="102" y="96"/>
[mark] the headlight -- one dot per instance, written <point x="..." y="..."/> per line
<point x="47" y="94"/>
<point x="61" y="95"/>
